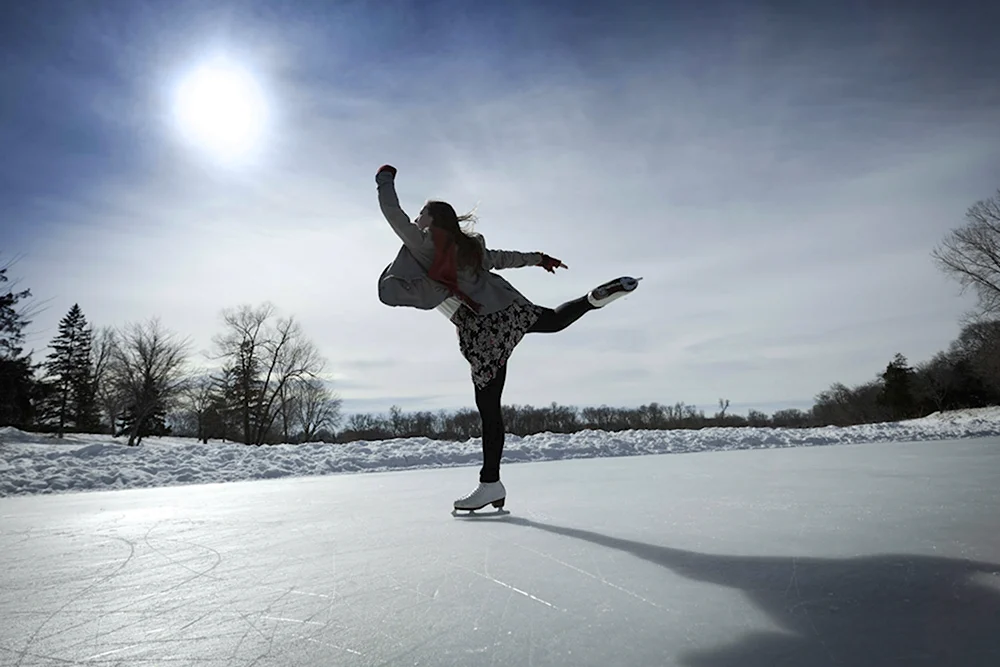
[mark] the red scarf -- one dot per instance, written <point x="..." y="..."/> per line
<point x="445" y="267"/>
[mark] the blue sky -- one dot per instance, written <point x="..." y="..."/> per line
<point x="777" y="172"/>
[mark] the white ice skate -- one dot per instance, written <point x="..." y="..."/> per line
<point x="611" y="290"/>
<point x="485" y="494"/>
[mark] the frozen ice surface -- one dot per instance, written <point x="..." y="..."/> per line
<point x="859" y="555"/>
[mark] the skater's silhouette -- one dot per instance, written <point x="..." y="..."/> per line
<point x="443" y="267"/>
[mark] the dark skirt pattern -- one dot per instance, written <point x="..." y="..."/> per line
<point x="487" y="341"/>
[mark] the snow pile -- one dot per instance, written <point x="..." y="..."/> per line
<point x="33" y="463"/>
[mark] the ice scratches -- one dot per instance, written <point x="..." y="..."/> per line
<point x="253" y="626"/>
<point x="486" y="575"/>
<point x="162" y="610"/>
<point x="179" y="563"/>
<point x="42" y="656"/>
<point x="329" y="645"/>
<point x="592" y="576"/>
<point x="500" y="624"/>
<point x="307" y="593"/>
<point x="292" y="620"/>
<point x="111" y="625"/>
<point x="268" y="614"/>
<point x="34" y="635"/>
<point x="104" y="653"/>
<point x="793" y="580"/>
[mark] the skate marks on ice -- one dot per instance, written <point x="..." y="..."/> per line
<point x="864" y="611"/>
<point x="105" y="617"/>
<point x="28" y="650"/>
<point x="135" y="596"/>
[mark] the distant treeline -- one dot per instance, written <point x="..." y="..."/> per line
<point x="967" y="375"/>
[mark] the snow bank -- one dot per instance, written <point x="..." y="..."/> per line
<point x="34" y="463"/>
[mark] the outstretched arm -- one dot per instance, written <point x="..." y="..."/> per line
<point x="388" y="201"/>
<point x="512" y="259"/>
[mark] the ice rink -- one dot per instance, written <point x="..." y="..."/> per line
<point x="848" y="555"/>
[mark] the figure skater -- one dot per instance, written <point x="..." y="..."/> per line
<point x="443" y="267"/>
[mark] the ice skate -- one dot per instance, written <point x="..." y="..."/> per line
<point x="611" y="290"/>
<point x="493" y="493"/>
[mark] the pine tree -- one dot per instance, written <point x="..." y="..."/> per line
<point x="84" y="385"/>
<point x="71" y="376"/>
<point x="897" y="392"/>
<point x="17" y="384"/>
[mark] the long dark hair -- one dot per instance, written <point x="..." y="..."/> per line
<point x="470" y="254"/>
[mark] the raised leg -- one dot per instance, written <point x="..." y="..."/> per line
<point x="553" y="320"/>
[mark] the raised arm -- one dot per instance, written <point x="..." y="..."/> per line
<point x="388" y="201"/>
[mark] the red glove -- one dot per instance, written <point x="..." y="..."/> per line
<point x="550" y="264"/>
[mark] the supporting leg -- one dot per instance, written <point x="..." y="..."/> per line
<point x="488" y="400"/>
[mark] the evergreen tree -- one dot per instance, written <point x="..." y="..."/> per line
<point x="17" y="384"/>
<point x="71" y="376"/>
<point x="897" y="390"/>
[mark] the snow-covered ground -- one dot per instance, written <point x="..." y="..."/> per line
<point x="864" y="555"/>
<point x="34" y="463"/>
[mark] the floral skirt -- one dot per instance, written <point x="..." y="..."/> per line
<point x="486" y="341"/>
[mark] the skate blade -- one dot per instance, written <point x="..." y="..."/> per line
<point x="467" y="511"/>
<point x="618" y="287"/>
<point x="477" y="514"/>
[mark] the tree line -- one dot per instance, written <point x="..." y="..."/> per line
<point x="967" y="375"/>
<point x="140" y="379"/>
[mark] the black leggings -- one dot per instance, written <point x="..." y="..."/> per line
<point x="551" y="321"/>
<point x="489" y="398"/>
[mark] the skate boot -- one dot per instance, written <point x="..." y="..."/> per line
<point x="493" y="493"/>
<point x="611" y="290"/>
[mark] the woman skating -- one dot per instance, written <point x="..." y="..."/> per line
<point x="441" y="266"/>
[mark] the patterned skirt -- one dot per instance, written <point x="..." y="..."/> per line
<point x="486" y="341"/>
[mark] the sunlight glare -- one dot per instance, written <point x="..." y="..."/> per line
<point x="220" y="108"/>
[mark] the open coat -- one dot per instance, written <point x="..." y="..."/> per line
<point x="405" y="282"/>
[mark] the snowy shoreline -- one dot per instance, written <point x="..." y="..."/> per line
<point x="32" y="463"/>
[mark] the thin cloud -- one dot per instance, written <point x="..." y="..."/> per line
<point x="780" y="203"/>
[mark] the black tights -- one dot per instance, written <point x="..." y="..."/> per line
<point x="489" y="398"/>
<point x="551" y="321"/>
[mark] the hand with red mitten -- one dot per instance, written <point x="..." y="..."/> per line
<point x="388" y="170"/>
<point x="550" y="264"/>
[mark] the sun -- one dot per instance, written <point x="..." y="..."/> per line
<point x="220" y="108"/>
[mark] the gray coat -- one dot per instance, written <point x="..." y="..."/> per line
<point x="405" y="282"/>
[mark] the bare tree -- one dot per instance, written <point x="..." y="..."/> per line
<point x="199" y="395"/>
<point x="107" y="390"/>
<point x="934" y="380"/>
<point x="979" y="344"/>
<point x="264" y="360"/>
<point x="971" y="254"/>
<point x="316" y="408"/>
<point x="241" y="346"/>
<point x="288" y="400"/>
<point x="149" y="371"/>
